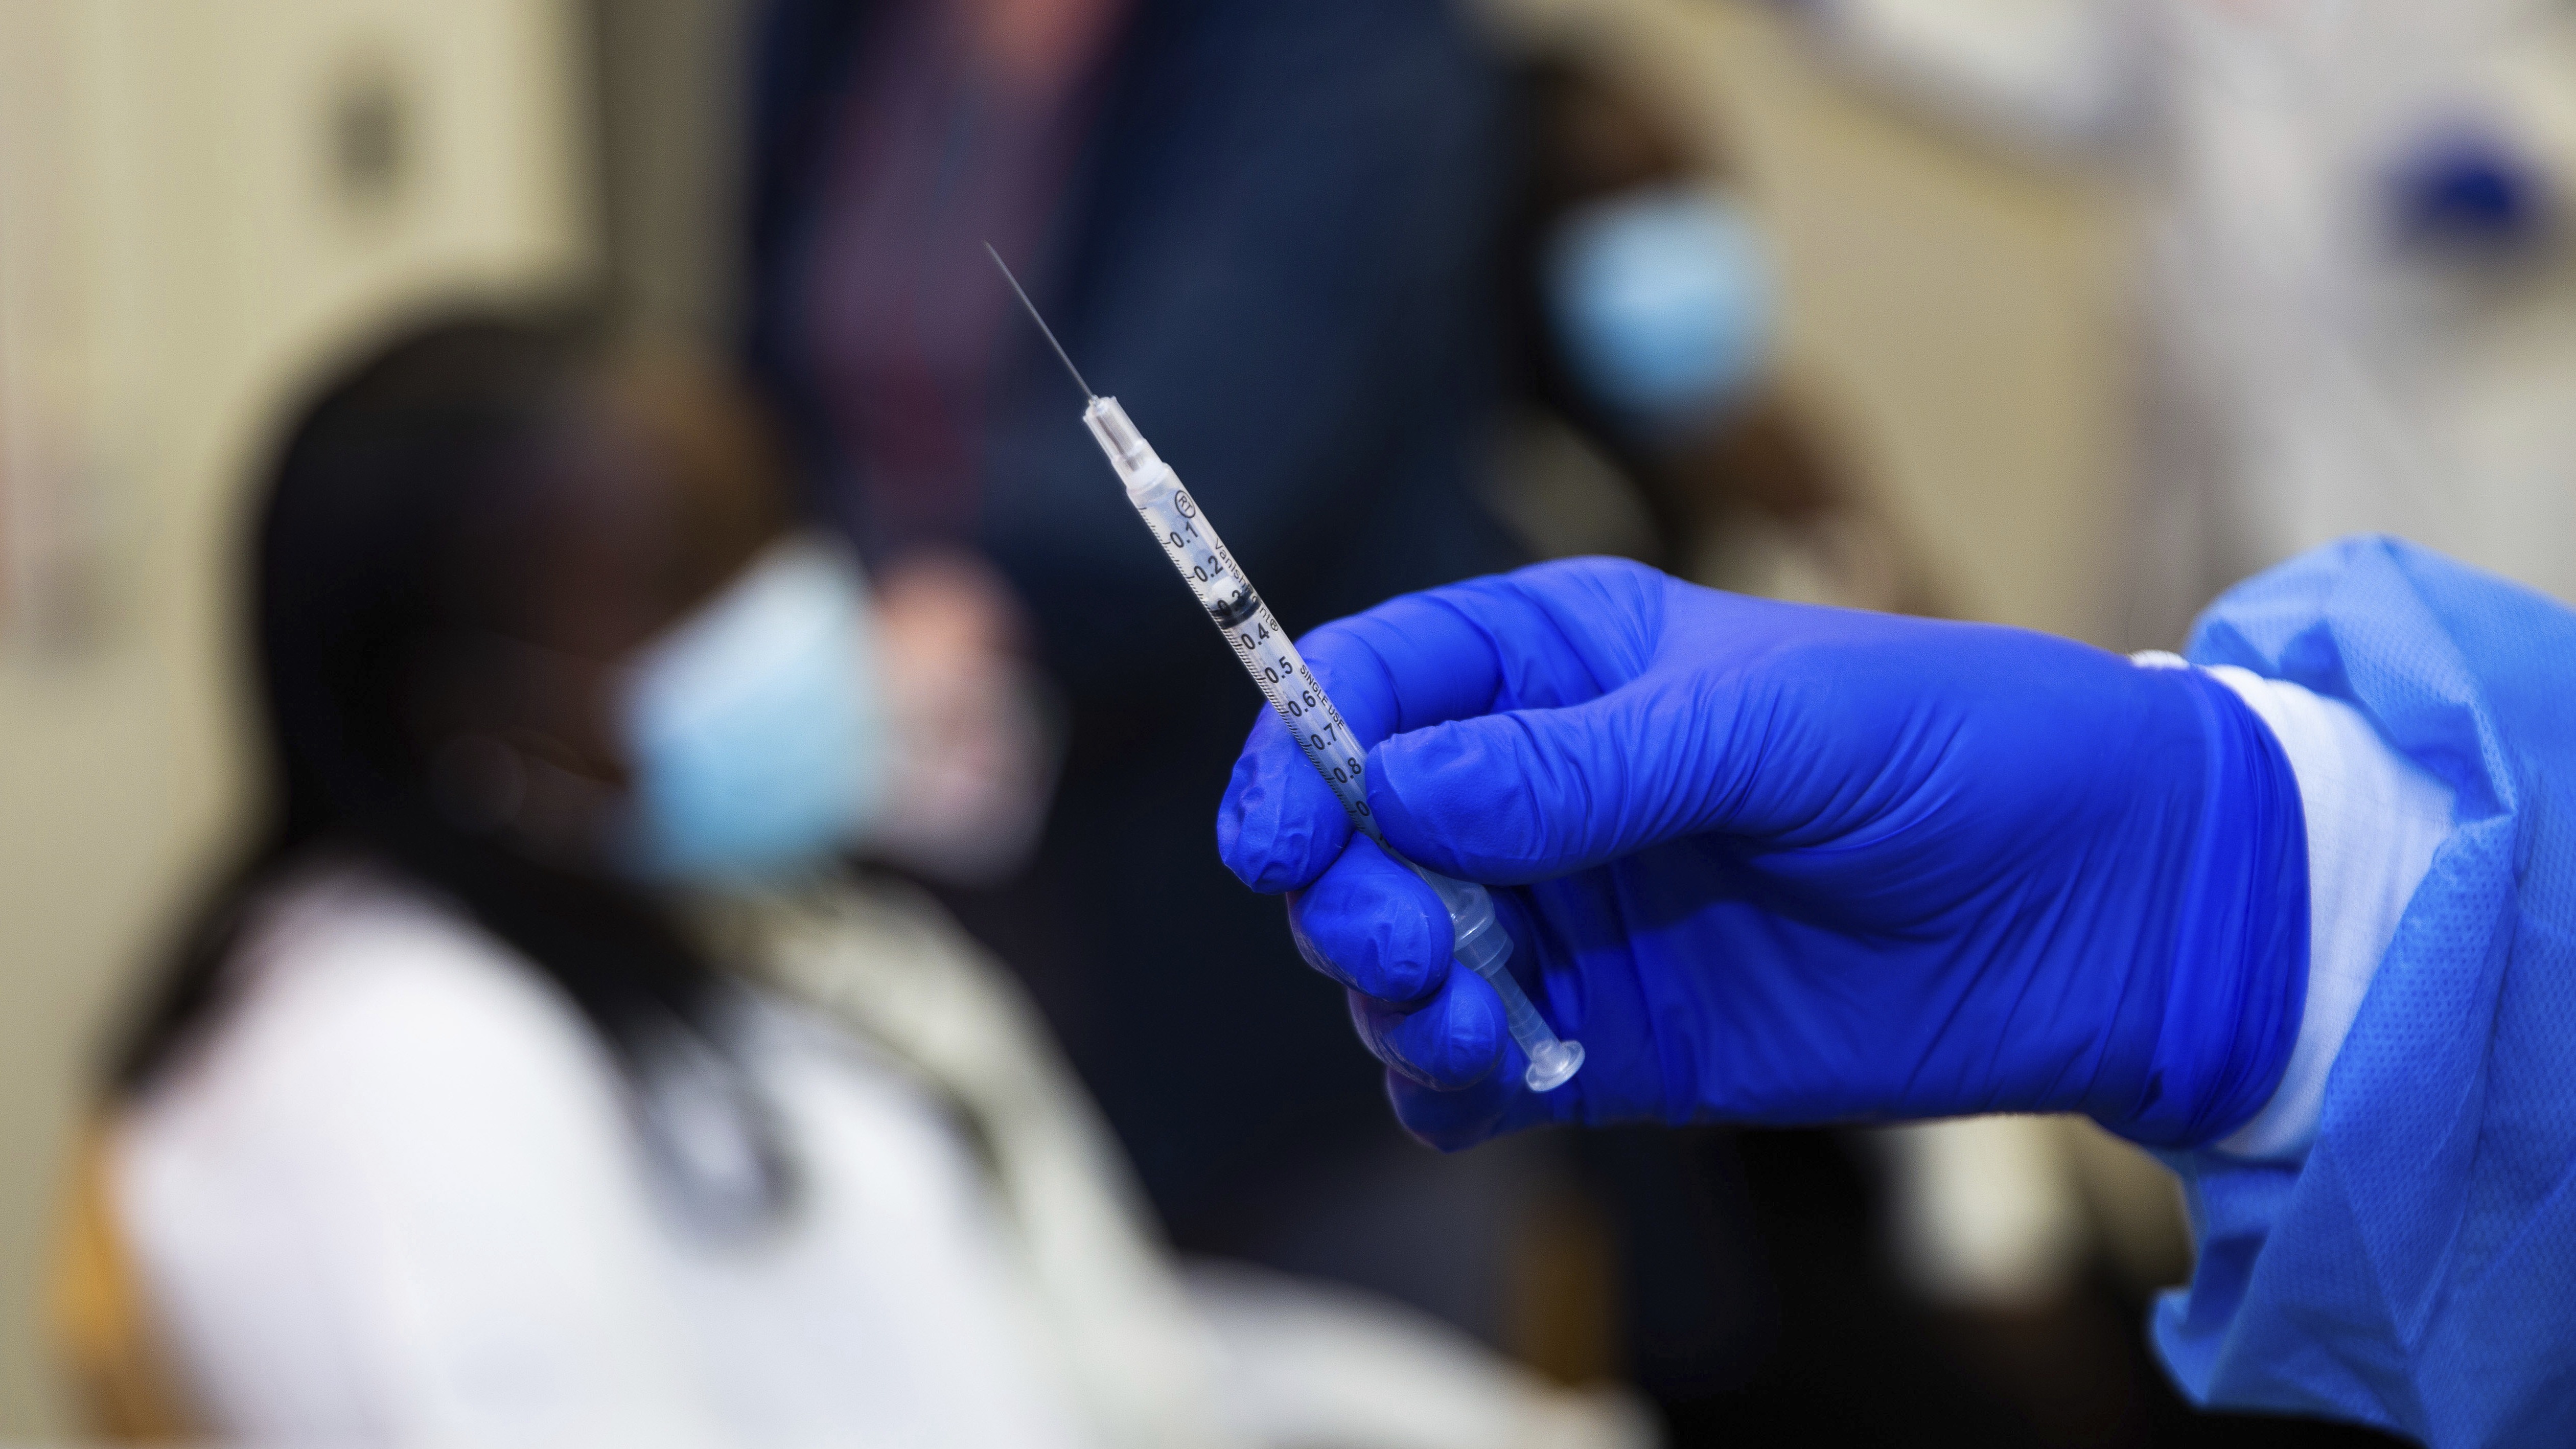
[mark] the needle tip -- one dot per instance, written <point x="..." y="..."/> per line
<point x="1023" y="295"/>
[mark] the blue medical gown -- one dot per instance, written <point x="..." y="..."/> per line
<point x="2417" y="1272"/>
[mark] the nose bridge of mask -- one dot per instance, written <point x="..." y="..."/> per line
<point x="1663" y="300"/>
<point x="756" y="725"/>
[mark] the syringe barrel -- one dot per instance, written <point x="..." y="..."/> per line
<point x="1263" y="647"/>
<point x="1276" y="666"/>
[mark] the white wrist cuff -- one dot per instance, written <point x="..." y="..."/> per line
<point x="2374" y="819"/>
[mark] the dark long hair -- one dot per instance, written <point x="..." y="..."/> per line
<point x="382" y="538"/>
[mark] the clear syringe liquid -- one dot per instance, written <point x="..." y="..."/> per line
<point x="1479" y="941"/>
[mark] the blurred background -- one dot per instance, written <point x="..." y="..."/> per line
<point x="2055" y="313"/>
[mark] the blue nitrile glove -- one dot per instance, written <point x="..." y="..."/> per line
<point x="2468" y="186"/>
<point x="1782" y="864"/>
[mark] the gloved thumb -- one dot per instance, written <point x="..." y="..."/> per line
<point x="1532" y="793"/>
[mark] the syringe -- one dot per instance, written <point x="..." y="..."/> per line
<point x="1481" y="943"/>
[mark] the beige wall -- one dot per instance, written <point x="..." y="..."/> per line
<point x="189" y="219"/>
<point x="1951" y="308"/>
<point x="671" y="138"/>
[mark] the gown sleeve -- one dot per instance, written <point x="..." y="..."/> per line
<point x="2415" y="1270"/>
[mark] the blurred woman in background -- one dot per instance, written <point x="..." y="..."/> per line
<point x="543" y="1076"/>
<point x="1643" y="308"/>
<point x="1269" y="229"/>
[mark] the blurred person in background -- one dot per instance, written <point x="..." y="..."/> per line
<point x="1652" y="419"/>
<point x="1965" y="1255"/>
<point x="1989" y="1271"/>
<point x="542" y="1075"/>
<point x="2357" y="293"/>
<point x="1643" y="311"/>
<point x="1267" y="228"/>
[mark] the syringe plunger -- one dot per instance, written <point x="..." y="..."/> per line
<point x="1480" y="943"/>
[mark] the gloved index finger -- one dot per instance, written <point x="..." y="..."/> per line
<point x="1279" y="825"/>
<point x="1545" y="637"/>
<point x="1410" y="663"/>
<point x="1402" y="664"/>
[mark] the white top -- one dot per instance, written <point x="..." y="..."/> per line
<point x="2373" y="819"/>
<point x="397" y="1195"/>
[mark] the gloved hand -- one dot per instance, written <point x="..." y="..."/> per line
<point x="1781" y="864"/>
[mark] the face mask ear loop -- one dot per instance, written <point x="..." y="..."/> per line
<point x="508" y="782"/>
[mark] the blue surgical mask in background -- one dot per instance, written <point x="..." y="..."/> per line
<point x="1664" y="303"/>
<point x="755" y="727"/>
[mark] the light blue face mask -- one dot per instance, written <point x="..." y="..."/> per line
<point x="755" y="727"/>
<point x="1664" y="302"/>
